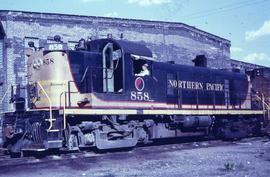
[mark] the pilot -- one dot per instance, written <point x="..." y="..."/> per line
<point x="145" y="71"/>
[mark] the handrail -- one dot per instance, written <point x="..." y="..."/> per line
<point x="64" y="113"/>
<point x="2" y="99"/>
<point x="69" y="92"/>
<point x="263" y="101"/>
<point x="265" y="104"/>
<point x="64" y="93"/>
<point x="64" y="107"/>
<point x="85" y="72"/>
<point x="50" y="105"/>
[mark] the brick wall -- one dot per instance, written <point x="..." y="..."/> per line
<point x="168" y="41"/>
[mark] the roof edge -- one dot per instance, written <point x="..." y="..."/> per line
<point x="240" y="61"/>
<point x="176" y="24"/>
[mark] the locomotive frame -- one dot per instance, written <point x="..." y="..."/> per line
<point x="91" y="97"/>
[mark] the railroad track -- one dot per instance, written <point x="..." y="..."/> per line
<point x="157" y="147"/>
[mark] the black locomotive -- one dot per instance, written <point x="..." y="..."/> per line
<point x="112" y="94"/>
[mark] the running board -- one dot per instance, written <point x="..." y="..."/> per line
<point x="159" y="112"/>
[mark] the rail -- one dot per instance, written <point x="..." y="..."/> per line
<point x="50" y="106"/>
<point x="266" y="106"/>
<point x="2" y="99"/>
<point x="64" y="107"/>
<point x="64" y="113"/>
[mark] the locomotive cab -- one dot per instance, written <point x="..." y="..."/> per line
<point x="95" y="69"/>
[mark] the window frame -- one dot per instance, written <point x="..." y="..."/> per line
<point x="150" y="66"/>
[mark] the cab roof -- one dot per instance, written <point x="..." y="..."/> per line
<point x="127" y="46"/>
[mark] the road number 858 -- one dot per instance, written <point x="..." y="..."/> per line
<point x="140" y="96"/>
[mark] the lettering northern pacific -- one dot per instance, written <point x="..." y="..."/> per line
<point x="196" y="85"/>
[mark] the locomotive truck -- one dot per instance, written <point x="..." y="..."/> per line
<point x="94" y="96"/>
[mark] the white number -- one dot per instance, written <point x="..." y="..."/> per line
<point x="55" y="47"/>
<point x="133" y="95"/>
<point x="140" y="96"/>
<point x="146" y="96"/>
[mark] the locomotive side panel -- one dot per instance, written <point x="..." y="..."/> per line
<point x="201" y="88"/>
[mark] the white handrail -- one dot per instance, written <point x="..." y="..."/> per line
<point x="265" y="104"/>
<point x="50" y="103"/>
<point x="64" y="108"/>
<point x="2" y="99"/>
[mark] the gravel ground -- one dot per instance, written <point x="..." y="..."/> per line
<point x="246" y="158"/>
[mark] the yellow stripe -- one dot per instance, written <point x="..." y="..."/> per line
<point x="159" y="112"/>
<point x="99" y="112"/>
<point x="201" y="112"/>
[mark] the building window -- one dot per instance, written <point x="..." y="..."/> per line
<point x="27" y="51"/>
<point x="28" y="39"/>
<point x="1" y="52"/>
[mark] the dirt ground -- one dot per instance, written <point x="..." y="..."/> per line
<point x="247" y="158"/>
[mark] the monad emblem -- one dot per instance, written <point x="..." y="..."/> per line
<point x="139" y="84"/>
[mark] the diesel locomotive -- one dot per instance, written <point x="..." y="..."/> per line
<point x="109" y="93"/>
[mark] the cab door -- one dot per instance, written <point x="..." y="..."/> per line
<point x="107" y="68"/>
<point x="112" y="69"/>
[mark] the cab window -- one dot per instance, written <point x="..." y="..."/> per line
<point x="142" y="68"/>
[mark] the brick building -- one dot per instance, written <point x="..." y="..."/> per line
<point x="168" y="41"/>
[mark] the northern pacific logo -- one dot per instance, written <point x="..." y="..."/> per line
<point x="139" y="94"/>
<point x="139" y="84"/>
